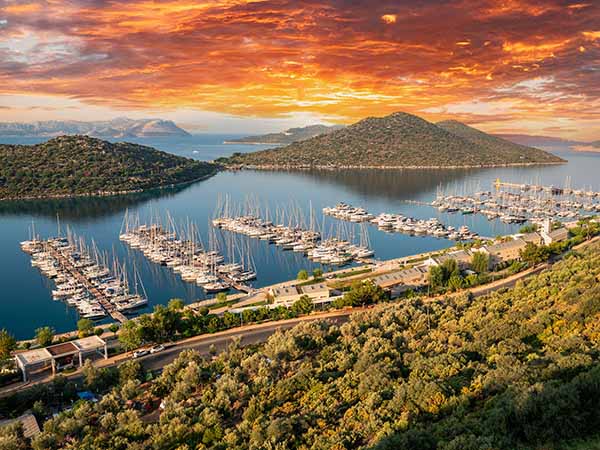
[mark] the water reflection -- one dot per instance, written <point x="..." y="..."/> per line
<point x="77" y="209"/>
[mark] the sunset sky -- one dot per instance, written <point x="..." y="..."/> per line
<point x="513" y="66"/>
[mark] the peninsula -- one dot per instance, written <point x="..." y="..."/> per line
<point x="399" y="140"/>
<point x="288" y="136"/>
<point x="80" y="165"/>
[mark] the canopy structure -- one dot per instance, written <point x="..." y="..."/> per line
<point x="60" y="355"/>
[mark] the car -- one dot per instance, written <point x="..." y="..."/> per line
<point x="140" y="353"/>
<point x="157" y="348"/>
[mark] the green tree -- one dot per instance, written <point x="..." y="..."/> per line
<point x="130" y="370"/>
<point x="131" y="335"/>
<point x="44" y="336"/>
<point x="85" y="327"/>
<point x="480" y="262"/>
<point x="364" y="292"/>
<point x="317" y="273"/>
<point x="302" y="275"/>
<point x="113" y="328"/>
<point x="436" y="277"/>
<point x="176" y="304"/>
<point x="303" y="305"/>
<point x="221" y="297"/>
<point x="7" y="344"/>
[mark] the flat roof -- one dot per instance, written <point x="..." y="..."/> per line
<point x="314" y="287"/>
<point x="66" y="348"/>
<point x="34" y="356"/>
<point x="293" y="290"/>
<point x="89" y="343"/>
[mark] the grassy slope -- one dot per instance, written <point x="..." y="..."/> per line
<point x="71" y="165"/>
<point x="398" y="140"/>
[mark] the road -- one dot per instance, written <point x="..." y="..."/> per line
<point x="257" y="333"/>
<point x="249" y="334"/>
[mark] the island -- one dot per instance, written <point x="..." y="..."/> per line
<point x="119" y="128"/>
<point x="288" y="136"/>
<point x="399" y="140"/>
<point x="69" y="166"/>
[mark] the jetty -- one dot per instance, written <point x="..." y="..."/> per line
<point x="82" y="279"/>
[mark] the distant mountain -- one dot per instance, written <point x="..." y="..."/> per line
<point x="543" y="142"/>
<point x="399" y="140"/>
<point x="82" y="165"/>
<point x="116" y="128"/>
<point x="287" y="136"/>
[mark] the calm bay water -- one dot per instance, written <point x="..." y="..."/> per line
<point x="25" y="300"/>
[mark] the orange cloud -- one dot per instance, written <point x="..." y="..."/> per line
<point x="272" y="58"/>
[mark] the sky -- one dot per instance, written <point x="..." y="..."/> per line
<point x="505" y="66"/>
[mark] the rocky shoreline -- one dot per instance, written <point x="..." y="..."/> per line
<point x="383" y="167"/>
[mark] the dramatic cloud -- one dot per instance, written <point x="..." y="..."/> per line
<point x="504" y="64"/>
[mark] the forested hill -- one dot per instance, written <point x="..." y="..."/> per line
<point x="512" y="370"/>
<point x="395" y="141"/>
<point x="76" y="165"/>
<point x="494" y="144"/>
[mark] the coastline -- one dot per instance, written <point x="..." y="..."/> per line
<point x="383" y="167"/>
<point x="107" y="193"/>
<point x="252" y="143"/>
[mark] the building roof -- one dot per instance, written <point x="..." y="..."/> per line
<point x="458" y="255"/>
<point x="531" y="237"/>
<point x="89" y="343"/>
<point x="311" y="288"/>
<point x="398" y="277"/>
<point x="66" y="348"/>
<point x="35" y="356"/>
<point x="504" y="246"/>
<point x="559" y="234"/>
<point x="29" y="423"/>
<point x="284" y="291"/>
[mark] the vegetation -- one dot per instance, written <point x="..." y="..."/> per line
<point x="77" y="165"/>
<point x="398" y="140"/>
<point x="44" y="336"/>
<point x="288" y="136"/>
<point x="302" y="275"/>
<point x="7" y="344"/>
<point x="513" y="369"/>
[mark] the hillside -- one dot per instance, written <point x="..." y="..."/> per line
<point x="117" y="128"/>
<point x="543" y="142"/>
<point x="512" y="370"/>
<point x="494" y="144"/>
<point x="287" y="136"/>
<point x="76" y="165"/>
<point x="396" y="141"/>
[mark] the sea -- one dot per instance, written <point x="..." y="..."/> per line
<point x="25" y="294"/>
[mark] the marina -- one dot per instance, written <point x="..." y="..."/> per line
<point x="185" y="255"/>
<point x="520" y="203"/>
<point x="400" y="223"/>
<point x="333" y="250"/>
<point x="27" y="294"/>
<point x="82" y="280"/>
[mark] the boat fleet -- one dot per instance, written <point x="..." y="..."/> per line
<point x="81" y="279"/>
<point x="333" y="251"/>
<point x="400" y="223"/>
<point x="184" y="255"/>
<point x="518" y="207"/>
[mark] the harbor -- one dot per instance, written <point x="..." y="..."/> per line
<point x="385" y="191"/>
<point x="400" y="223"/>
<point x="82" y="280"/>
<point x="184" y="254"/>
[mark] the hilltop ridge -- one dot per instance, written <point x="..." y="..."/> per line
<point x="82" y="165"/>
<point x="400" y="140"/>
